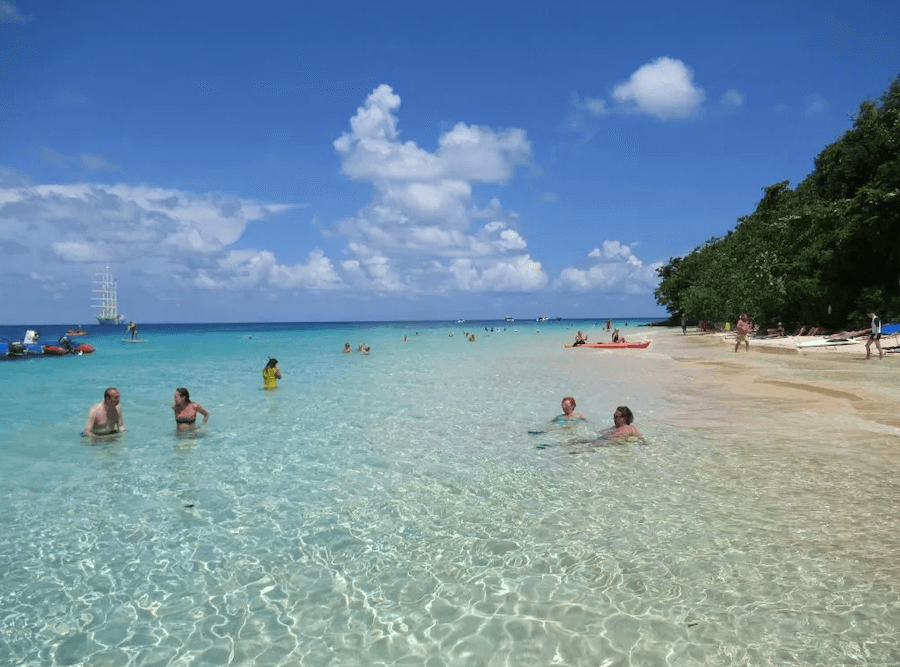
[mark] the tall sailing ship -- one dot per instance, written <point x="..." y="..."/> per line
<point x="108" y="299"/>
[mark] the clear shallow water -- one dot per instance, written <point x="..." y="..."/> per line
<point x="393" y="509"/>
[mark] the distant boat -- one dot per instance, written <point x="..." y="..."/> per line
<point x="460" y="320"/>
<point x="542" y="318"/>
<point x="108" y="299"/>
<point x="509" y="319"/>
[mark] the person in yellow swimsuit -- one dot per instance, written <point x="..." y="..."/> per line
<point x="271" y="374"/>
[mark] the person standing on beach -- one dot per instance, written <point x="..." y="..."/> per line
<point x="106" y="418"/>
<point x="271" y="374"/>
<point x="874" y="336"/>
<point x="683" y="324"/>
<point x="743" y="326"/>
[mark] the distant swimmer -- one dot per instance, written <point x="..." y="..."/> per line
<point x="271" y="374"/>
<point x="348" y="349"/>
<point x="471" y="338"/>
<point x="365" y="349"/>
<point x="569" y="415"/>
<point x="105" y="418"/>
<point x="186" y="411"/>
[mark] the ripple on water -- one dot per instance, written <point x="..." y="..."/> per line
<point x="395" y="509"/>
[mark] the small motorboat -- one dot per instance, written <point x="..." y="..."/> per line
<point x="29" y="347"/>
<point x="637" y="345"/>
<point x="11" y="349"/>
<point x="77" y="332"/>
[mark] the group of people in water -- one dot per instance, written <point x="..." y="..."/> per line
<point x="362" y="348"/>
<point x="106" y="417"/>
<point x="623" y="427"/>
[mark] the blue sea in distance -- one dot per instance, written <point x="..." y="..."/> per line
<point x="415" y="507"/>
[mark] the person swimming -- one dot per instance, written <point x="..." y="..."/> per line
<point x="567" y="419"/>
<point x="622" y="426"/>
<point x="569" y="415"/>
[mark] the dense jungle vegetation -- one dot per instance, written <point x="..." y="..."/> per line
<point x="822" y="254"/>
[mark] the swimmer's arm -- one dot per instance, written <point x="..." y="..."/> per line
<point x="121" y="426"/>
<point x="89" y="424"/>
<point x="277" y="372"/>
<point x="203" y="412"/>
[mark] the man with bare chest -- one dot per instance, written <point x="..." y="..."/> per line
<point x="106" y="418"/>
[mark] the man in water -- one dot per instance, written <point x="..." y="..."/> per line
<point x="106" y="418"/>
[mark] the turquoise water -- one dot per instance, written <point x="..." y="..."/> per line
<point x="393" y="509"/>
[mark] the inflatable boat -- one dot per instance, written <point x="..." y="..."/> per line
<point x="65" y="346"/>
<point x="31" y="347"/>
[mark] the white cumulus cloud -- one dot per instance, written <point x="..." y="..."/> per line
<point x="180" y="237"/>
<point x="422" y="214"/>
<point x="663" y="88"/>
<point x="613" y="268"/>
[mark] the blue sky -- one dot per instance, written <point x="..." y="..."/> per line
<point x="290" y="161"/>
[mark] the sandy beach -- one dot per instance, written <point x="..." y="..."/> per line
<point x="778" y="386"/>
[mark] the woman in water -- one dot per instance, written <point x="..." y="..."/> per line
<point x="569" y="414"/>
<point x="271" y="374"/>
<point x="186" y="411"/>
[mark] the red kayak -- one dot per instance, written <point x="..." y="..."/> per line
<point x="640" y="345"/>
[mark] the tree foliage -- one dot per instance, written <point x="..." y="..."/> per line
<point x="824" y="253"/>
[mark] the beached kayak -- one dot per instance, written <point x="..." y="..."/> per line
<point x="640" y="345"/>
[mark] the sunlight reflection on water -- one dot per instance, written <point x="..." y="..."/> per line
<point x="394" y="508"/>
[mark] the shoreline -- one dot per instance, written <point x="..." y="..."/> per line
<point x="787" y="390"/>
